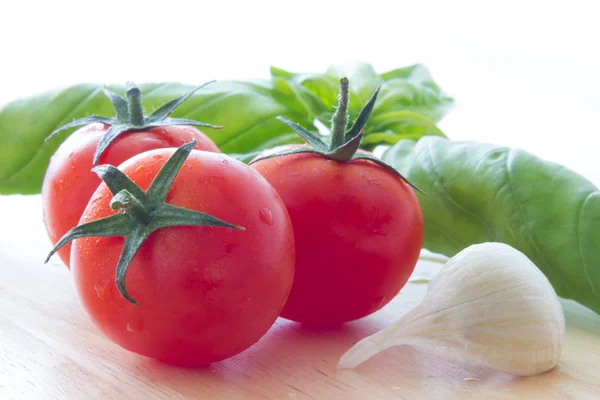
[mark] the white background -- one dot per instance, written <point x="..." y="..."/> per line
<point x="524" y="74"/>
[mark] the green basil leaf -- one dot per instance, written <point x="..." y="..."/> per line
<point x="363" y="82"/>
<point x="480" y="192"/>
<point x="391" y="127"/>
<point x="413" y="90"/>
<point x="25" y="123"/>
<point x="317" y="92"/>
<point x="247" y="110"/>
<point x="416" y="73"/>
<point x="404" y="89"/>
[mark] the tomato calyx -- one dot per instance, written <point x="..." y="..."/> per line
<point x="130" y="117"/>
<point x="141" y="213"/>
<point x="344" y="144"/>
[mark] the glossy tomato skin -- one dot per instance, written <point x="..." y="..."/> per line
<point x="69" y="182"/>
<point x="204" y="293"/>
<point x="358" y="233"/>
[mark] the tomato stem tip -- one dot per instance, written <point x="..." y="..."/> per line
<point x="134" y="103"/>
<point x="339" y="120"/>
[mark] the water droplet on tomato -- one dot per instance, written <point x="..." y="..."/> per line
<point x="376" y="304"/>
<point x="371" y="181"/>
<point x="99" y="291"/>
<point x="104" y="289"/>
<point x="266" y="216"/>
<point x="136" y="326"/>
<point x="225" y="162"/>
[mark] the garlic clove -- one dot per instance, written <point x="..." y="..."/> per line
<point x="489" y="302"/>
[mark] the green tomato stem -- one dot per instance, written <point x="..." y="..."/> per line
<point x="129" y="205"/>
<point x="339" y="121"/>
<point x="136" y="111"/>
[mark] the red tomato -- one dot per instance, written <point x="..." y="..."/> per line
<point x="358" y="232"/>
<point x="204" y="293"/>
<point x="69" y="182"/>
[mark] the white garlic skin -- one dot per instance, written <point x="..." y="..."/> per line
<point x="492" y="304"/>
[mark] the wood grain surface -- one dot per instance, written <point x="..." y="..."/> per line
<point x="50" y="350"/>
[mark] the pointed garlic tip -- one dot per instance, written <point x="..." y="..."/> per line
<point x="363" y="350"/>
<point x="489" y="302"/>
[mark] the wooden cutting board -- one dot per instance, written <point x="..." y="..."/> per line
<point x="50" y="350"/>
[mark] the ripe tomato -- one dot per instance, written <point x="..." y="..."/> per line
<point x="69" y="182"/>
<point x="358" y="232"/>
<point x="205" y="293"/>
